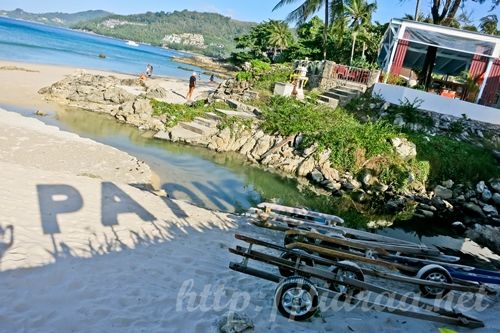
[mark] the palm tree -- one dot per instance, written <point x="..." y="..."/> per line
<point x="359" y="14"/>
<point x="333" y="9"/>
<point x="280" y="36"/>
<point x="489" y="25"/>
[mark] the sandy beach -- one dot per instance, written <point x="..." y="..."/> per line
<point x="20" y="82"/>
<point x="83" y="249"/>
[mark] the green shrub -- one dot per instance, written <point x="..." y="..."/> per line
<point x="354" y="145"/>
<point x="244" y="76"/>
<point x="411" y="112"/>
<point x="176" y="113"/>
<point x="450" y="159"/>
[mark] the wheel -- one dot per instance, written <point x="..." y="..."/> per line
<point x="293" y="258"/>
<point x="352" y="272"/>
<point x="434" y="273"/>
<point x="296" y="298"/>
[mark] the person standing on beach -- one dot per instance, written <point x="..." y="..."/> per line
<point x="192" y="85"/>
<point x="149" y="70"/>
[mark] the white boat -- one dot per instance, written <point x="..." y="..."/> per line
<point x="132" y="43"/>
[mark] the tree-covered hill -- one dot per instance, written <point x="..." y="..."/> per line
<point x="208" y="33"/>
<point x="57" y="19"/>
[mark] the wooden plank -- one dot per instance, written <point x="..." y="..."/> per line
<point x="343" y="255"/>
<point x="300" y="211"/>
<point x="367" y="245"/>
<point x="278" y="146"/>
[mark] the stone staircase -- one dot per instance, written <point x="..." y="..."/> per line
<point x="341" y="95"/>
<point x="200" y="127"/>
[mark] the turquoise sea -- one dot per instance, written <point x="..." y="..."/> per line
<point x="36" y="43"/>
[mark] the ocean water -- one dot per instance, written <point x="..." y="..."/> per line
<point x="36" y="43"/>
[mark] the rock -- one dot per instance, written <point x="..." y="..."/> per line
<point x="496" y="154"/>
<point x="443" y="192"/>
<point x="234" y="322"/>
<point x="495" y="185"/>
<point x="486" y="195"/>
<point x="480" y="187"/>
<point x="143" y="106"/>
<point x="490" y="210"/>
<point x="382" y="188"/>
<point x="308" y="151"/>
<point x="425" y="213"/>
<point x="351" y="184"/>
<point x="263" y="145"/>
<point x="448" y="183"/>
<point x="248" y="146"/>
<point x="329" y="172"/>
<point x="306" y="166"/>
<point x="324" y="156"/>
<point x="316" y="176"/>
<point x="496" y="198"/>
<point x="40" y="113"/>
<point x="404" y="148"/>
<point x="474" y="209"/>
<point x="298" y="140"/>
<point x="427" y="207"/>
<point x="485" y="235"/>
<point x="458" y="225"/>
<point x="367" y="178"/>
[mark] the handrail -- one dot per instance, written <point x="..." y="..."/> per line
<point x="351" y="74"/>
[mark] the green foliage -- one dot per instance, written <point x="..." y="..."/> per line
<point x="178" y="112"/>
<point x="150" y="27"/>
<point x="450" y="159"/>
<point x="277" y="73"/>
<point x="263" y="41"/>
<point x="234" y="123"/>
<point x="244" y="76"/>
<point x="411" y="113"/>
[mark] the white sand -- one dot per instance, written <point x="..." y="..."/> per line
<point x="98" y="255"/>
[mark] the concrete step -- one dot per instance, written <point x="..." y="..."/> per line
<point x="347" y="91"/>
<point x="212" y="123"/>
<point x="179" y="133"/>
<point x="212" y="116"/>
<point x="340" y="97"/>
<point x="354" y="86"/>
<point x="232" y="113"/>
<point x="332" y="102"/>
<point x="197" y="128"/>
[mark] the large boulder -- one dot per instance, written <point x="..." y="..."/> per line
<point x="404" y="148"/>
<point x="443" y="192"/>
<point x="486" y="235"/>
<point x="306" y="166"/>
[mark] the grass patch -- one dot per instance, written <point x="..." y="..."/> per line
<point x="176" y="113"/>
<point x="450" y="159"/>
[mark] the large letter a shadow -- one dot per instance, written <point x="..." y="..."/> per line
<point x="114" y="202"/>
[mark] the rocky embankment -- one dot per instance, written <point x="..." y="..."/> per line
<point x="472" y="209"/>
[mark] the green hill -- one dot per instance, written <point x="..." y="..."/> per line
<point x="208" y="33"/>
<point x="57" y="19"/>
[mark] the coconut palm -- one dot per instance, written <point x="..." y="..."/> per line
<point x="280" y="36"/>
<point x="489" y="25"/>
<point x="359" y="14"/>
<point x="333" y="9"/>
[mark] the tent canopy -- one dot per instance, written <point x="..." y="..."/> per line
<point x="456" y="47"/>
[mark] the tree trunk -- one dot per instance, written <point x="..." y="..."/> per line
<point x="354" y="35"/>
<point x="364" y="50"/>
<point x="325" y="32"/>
<point x="417" y="10"/>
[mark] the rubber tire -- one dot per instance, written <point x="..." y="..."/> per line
<point x="425" y="272"/>
<point x="294" y="282"/>
<point x="351" y="291"/>
<point x="289" y="256"/>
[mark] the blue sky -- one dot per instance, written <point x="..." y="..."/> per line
<point x="248" y="10"/>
